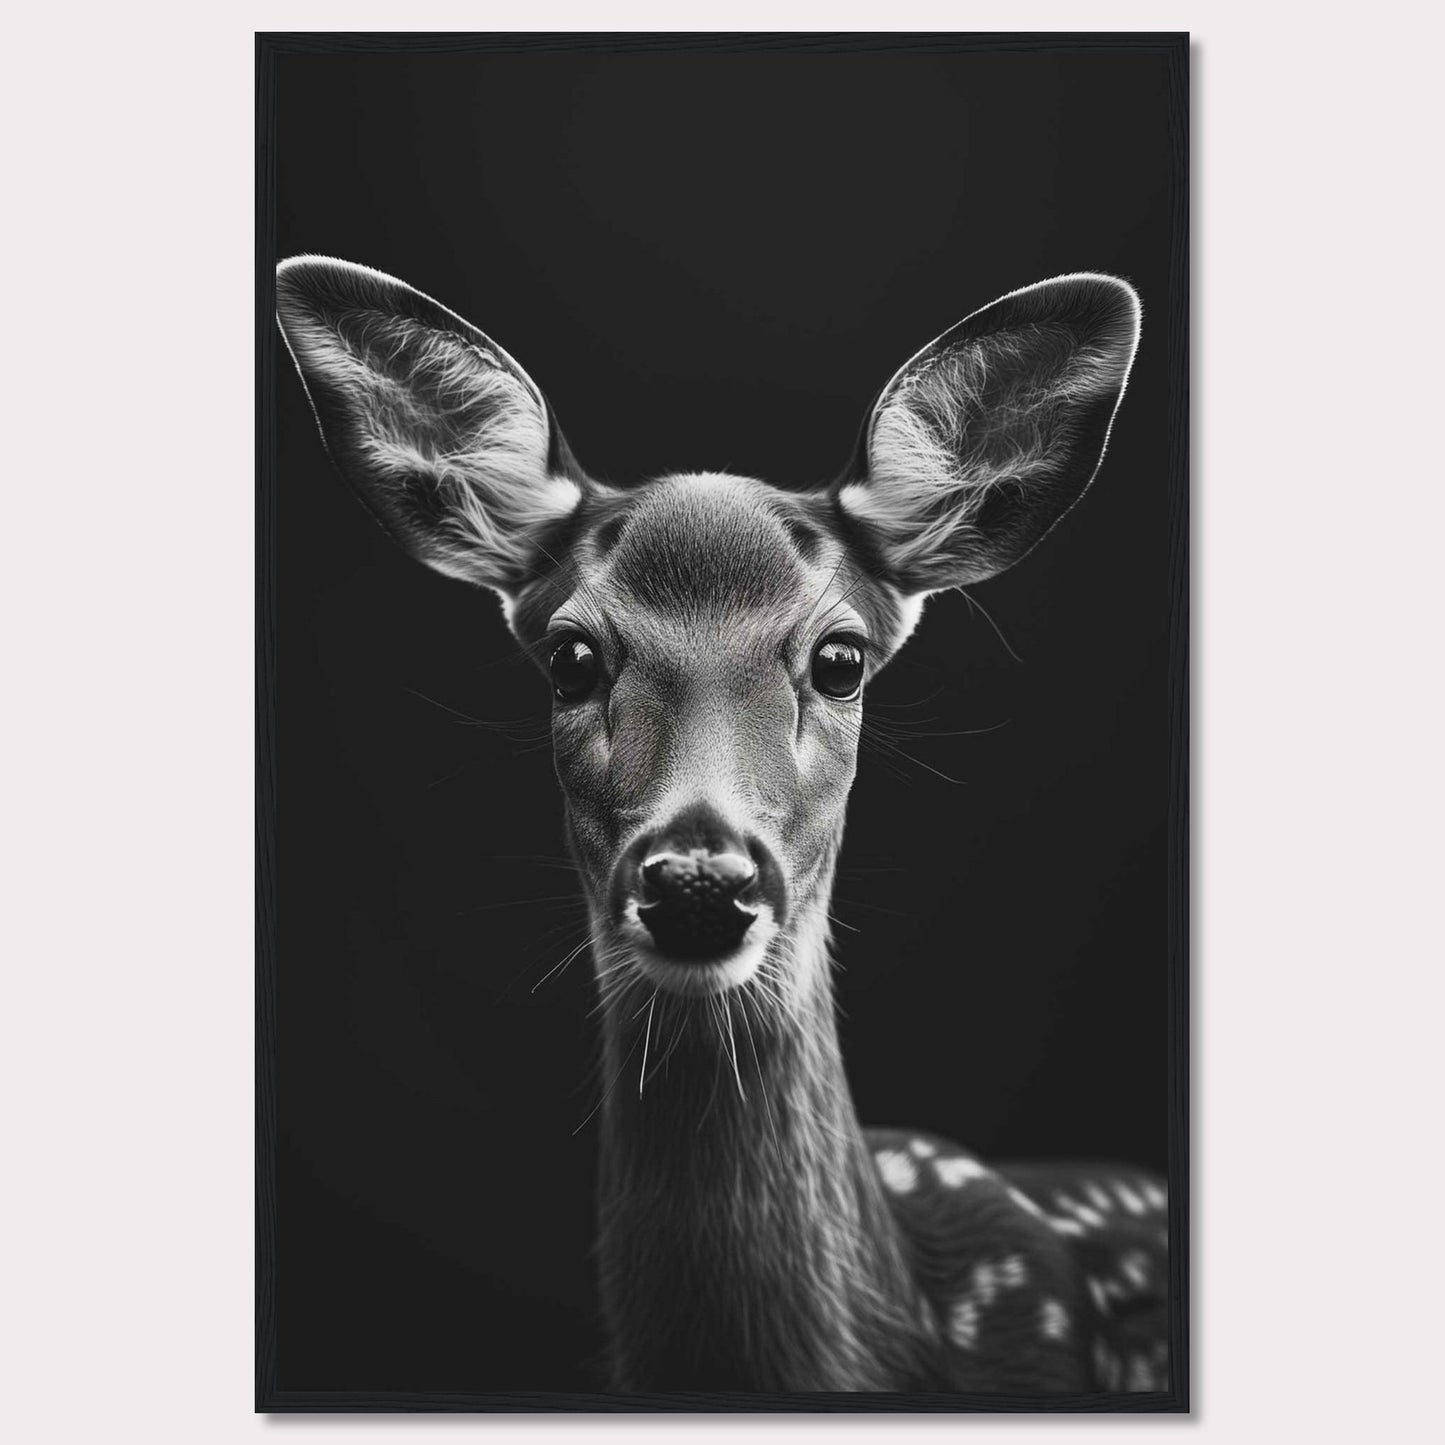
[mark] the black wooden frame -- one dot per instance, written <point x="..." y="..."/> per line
<point x="269" y="1398"/>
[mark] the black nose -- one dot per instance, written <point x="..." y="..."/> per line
<point x="693" y="903"/>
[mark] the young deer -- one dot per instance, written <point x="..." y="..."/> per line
<point x="708" y="639"/>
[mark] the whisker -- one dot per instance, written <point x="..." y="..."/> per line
<point x="889" y="746"/>
<point x="733" y="1046"/>
<point x="565" y="930"/>
<point x="998" y="632"/>
<point x="888" y="728"/>
<point x="646" y="1040"/>
<point x="876" y="907"/>
<point x="569" y="898"/>
<point x="904" y="706"/>
<point x="832" y="577"/>
<point x="608" y="1093"/>
<point x="763" y="1089"/>
<point x="502" y="725"/>
<point x="716" y="1070"/>
<point x="536" y="860"/>
<point x="561" y="968"/>
<point x="672" y="1045"/>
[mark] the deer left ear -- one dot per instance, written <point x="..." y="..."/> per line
<point x="982" y="441"/>
<point x="443" y="436"/>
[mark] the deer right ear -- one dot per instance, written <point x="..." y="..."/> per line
<point x="444" y="437"/>
<point x="985" y="438"/>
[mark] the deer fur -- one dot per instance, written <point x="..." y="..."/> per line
<point x="752" y="1235"/>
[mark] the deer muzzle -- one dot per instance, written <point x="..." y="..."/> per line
<point x="698" y="885"/>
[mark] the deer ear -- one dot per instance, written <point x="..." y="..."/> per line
<point x="444" y="437"/>
<point x="991" y="433"/>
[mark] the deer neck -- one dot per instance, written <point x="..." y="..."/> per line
<point x="745" y="1242"/>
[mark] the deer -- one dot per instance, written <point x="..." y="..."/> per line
<point x="707" y="640"/>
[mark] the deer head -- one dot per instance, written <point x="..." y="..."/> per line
<point x="708" y="638"/>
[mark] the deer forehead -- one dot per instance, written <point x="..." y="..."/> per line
<point x="711" y="545"/>
<point x="723" y="556"/>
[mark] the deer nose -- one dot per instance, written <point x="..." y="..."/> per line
<point x="693" y="903"/>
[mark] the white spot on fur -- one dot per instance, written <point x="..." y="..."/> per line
<point x="1070" y="1227"/>
<point x="1156" y="1197"/>
<point x="1054" y="1320"/>
<point x="1091" y="1217"/>
<point x="1025" y="1203"/>
<point x="987" y="1281"/>
<point x="922" y="1148"/>
<point x="1013" y="1272"/>
<point x="1108" y="1367"/>
<point x="955" y="1173"/>
<point x="993" y="1276"/>
<point x="1098" y="1198"/>
<point x="1100" y="1292"/>
<point x="985" y="1284"/>
<point x="1129" y="1199"/>
<point x="1135" y="1268"/>
<point x="1141" y="1375"/>
<point x="899" y="1172"/>
<point x="963" y="1324"/>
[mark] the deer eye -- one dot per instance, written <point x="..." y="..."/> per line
<point x="575" y="669"/>
<point x="838" y="668"/>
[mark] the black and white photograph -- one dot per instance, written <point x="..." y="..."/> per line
<point x="726" y="731"/>
<point x="728" y="692"/>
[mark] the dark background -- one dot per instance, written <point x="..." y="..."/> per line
<point x="707" y="261"/>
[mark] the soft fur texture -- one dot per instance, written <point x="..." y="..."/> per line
<point x="752" y="1236"/>
<point x="437" y="428"/>
<point x="983" y="440"/>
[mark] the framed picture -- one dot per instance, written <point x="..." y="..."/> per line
<point x="722" y="735"/>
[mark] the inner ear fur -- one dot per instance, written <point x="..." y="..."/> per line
<point x="983" y="440"/>
<point x="444" y="437"/>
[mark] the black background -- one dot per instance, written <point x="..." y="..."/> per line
<point x="707" y="261"/>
